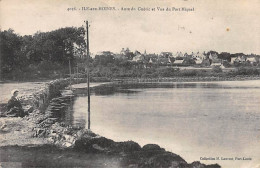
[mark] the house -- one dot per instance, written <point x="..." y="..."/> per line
<point x="214" y="60"/>
<point x="178" y="54"/>
<point x="198" y="61"/>
<point x="150" y="61"/>
<point x="222" y="66"/>
<point x="251" y="59"/>
<point x="206" y="62"/>
<point x="152" y="57"/>
<point x="121" y="56"/>
<point x="178" y="62"/>
<point x="137" y="53"/>
<point x="165" y="55"/>
<point x="125" y="51"/>
<point x="105" y="53"/>
<point x="238" y="59"/>
<point x="164" y="61"/>
<point x="214" y="57"/>
<point x="186" y="55"/>
<point x="138" y="58"/>
<point x="234" y="59"/>
<point x="198" y="55"/>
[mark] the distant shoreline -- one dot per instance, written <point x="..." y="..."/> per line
<point x="161" y="79"/>
<point x="188" y="79"/>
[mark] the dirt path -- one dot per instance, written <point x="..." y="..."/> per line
<point x="25" y="88"/>
<point x="18" y="131"/>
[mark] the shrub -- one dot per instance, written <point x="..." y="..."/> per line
<point x="216" y="69"/>
<point x="247" y="71"/>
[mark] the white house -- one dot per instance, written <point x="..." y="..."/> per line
<point x="198" y="55"/>
<point x="198" y="61"/>
<point x="178" y="61"/>
<point x="251" y="59"/>
<point x="238" y="59"/>
<point x="138" y="58"/>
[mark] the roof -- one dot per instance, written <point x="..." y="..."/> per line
<point x="198" y="61"/>
<point x="213" y="56"/>
<point x="198" y="55"/>
<point x="216" y="64"/>
<point x="164" y="60"/>
<point x="138" y="57"/>
<point x="251" y="59"/>
<point x="178" y="61"/>
<point x="105" y="53"/>
<point x="166" y="54"/>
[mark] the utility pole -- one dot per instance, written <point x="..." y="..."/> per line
<point x="77" y="74"/>
<point x="65" y="49"/>
<point x="70" y="73"/>
<point x="87" y="43"/>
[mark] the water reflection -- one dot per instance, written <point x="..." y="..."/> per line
<point x="215" y="119"/>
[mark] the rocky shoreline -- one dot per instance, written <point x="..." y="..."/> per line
<point x="43" y="127"/>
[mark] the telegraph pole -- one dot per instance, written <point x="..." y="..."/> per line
<point x="77" y="73"/>
<point x="65" y="42"/>
<point x="70" y="73"/>
<point x="87" y="43"/>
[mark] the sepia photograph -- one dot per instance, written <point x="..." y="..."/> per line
<point x="129" y="84"/>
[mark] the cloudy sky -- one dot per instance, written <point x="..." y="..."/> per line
<point x="223" y="25"/>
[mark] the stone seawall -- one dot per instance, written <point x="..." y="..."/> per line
<point x="23" y="131"/>
<point x="41" y="98"/>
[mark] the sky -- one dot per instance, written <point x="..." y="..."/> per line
<point x="224" y="25"/>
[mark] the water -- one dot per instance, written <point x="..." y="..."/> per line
<point x="194" y="120"/>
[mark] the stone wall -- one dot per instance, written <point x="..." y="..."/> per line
<point x="41" y="98"/>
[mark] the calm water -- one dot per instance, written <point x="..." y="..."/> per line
<point x="210" y="119"/>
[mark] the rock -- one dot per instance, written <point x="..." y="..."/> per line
<point x="51" y="139"/>
<point x="197" y="164"/>
<point x="127" y="146"/>
<point x="28" y="108"/>
<point x="151" y="147"/>
<point x="69" y="138"/>
<point x="3" y="126"/>
<point x="67" y="144"/>
<point x="164" y="160"/>
<point x="39" y="132"/>
<point x="86" y="143"/>
<point x="97" y="147"/>
<point x="132" y="165"/>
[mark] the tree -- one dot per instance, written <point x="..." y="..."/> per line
<point x="225" y="56"/>
<point x="12" y="59"/>
<point x="212" y="52"/>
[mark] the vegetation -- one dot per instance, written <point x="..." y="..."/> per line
<point x="48" y="54"/>
<point x="40" y="55"/>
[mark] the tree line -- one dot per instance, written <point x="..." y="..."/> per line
<point x="42" y="54"/>
<point x="47" y="55"/>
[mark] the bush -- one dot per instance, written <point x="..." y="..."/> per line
<point x="188" y="73"/>
<point x="247" y="71"/>
<point x="216" y="69"/>
<point x="166" y="72"/>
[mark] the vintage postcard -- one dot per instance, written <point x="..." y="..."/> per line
<point x="130" y="83"/>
